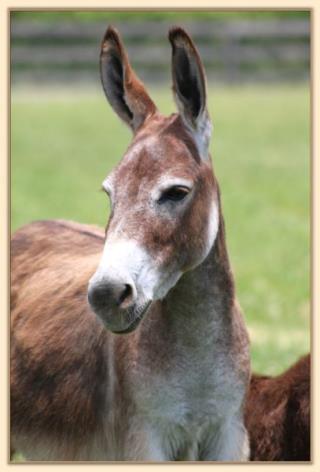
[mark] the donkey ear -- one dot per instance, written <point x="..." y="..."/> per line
<point x="189" y="88"/>
<point x="124" y="91"/>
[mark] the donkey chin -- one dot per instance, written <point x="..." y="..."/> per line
<point x="120" y="306"/>
<point x="122" y="321"/>
<point x="117" y="304"/>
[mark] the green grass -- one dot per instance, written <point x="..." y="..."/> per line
<point x="65" y="142"/>
<point x="87" y="16"/>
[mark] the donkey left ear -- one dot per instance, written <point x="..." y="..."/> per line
<point x="124" y="91"/>
<point x="189" y="88"/>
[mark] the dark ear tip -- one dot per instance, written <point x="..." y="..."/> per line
<point x="110" y="36"/>
<point x="111" y="33"/>
<point x="177" y="33"/>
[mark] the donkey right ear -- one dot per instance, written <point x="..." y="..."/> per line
<point x="124" y="91"/>
<point x="189" y="88"/>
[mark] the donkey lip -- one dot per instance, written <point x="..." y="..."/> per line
<point x="138" y="314"/>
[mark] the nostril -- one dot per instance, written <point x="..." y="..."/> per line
<point x="126" y="296"/>
<point x="111" y="294"/>
<point x="96" y="296"/>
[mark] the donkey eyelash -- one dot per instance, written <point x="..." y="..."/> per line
<point x="176" y="193"/>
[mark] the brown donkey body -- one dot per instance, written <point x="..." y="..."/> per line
<point x="167" y="379"/>
<point x="277" y="415"/>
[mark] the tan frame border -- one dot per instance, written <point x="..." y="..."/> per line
<point x="137" y="5"/>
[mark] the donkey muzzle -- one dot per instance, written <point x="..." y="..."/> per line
<point x="111" y="294"/>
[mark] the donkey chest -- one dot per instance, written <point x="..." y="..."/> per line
<point x="188" y="398"/>
<point x="181" y="410"/>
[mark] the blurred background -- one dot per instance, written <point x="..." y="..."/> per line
<point x="236" y="47"/>
<point x="65" y="139"/>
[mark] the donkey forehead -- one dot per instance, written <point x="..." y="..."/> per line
<point x="164" y="151"/>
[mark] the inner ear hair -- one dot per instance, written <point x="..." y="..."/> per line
<point x="112" y="63"/>
<point x="124" y="91"/>
<point x="187" y="73"/>
<point x="186" y="82"/>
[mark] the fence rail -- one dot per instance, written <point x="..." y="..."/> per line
<point x="233" y="50"/>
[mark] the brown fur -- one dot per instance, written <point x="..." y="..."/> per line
<point x="137" y="105"/>
<point x="277" y="415"/>
<point x="59" y="350"/>
<point x="79" y="391"/>
<point x="72" y="365"/>
<point x="138" y="173"/>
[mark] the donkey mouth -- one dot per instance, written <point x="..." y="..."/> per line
<point x="135" y="315"/>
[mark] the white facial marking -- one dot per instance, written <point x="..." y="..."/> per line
<point x="107" y="185"/>
<point x="129" y="261"/>
<point x="168" y="181"/>
<point x="213" y="226"/>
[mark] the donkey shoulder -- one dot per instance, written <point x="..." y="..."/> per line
<point x="58" y="346"/>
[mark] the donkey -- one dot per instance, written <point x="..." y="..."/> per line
<point x="277" y="414"/>
<point x="140" y="354"/>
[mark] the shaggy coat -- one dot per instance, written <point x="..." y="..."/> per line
<point x="277" y="415"/>
<point x="129" y="344"/>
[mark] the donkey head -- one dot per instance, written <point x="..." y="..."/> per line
<point x="164" y="217"/>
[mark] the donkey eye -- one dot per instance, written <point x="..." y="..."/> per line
<point x="174" y="194"/>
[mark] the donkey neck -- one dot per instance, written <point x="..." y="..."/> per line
<point x="206" y="292"/>
<point x="202" y="301"/>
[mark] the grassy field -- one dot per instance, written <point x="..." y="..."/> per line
<point x="64" y="142"/>
<point x="58" y="16"/>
